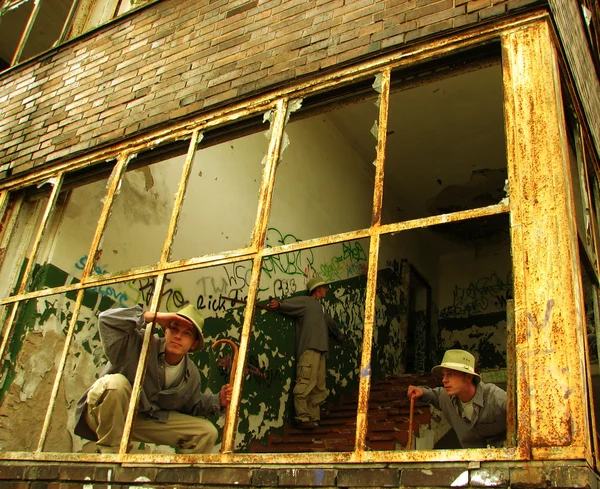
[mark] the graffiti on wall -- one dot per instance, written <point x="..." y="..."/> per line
<point x="282" y="276"/>
<point x="488" y="294"/>
<point x="476" y="321"/>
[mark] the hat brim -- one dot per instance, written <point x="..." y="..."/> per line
<point x="458" y="368"/>
<point x="318" y="284"/>
<point x="200" y="335"/>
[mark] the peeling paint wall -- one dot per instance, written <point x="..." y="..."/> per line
<point x="270" y="367"/>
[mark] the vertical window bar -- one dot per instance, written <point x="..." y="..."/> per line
<point x="511" y="376"/>
<point x="141" y="369"/>
<point x="26" y="32"/>
<point x="365" y="363"/>
<point x="68" y="23"/>
<point x="594" y="427"/>
<point x="589" y="211"/>
<point x="60" y="371"/>
<point x="56" y="182"/>
<point x="187" y="168"/>
<point x="259" y="235"/>
<point x="3" y="202"/>
<point x="268" y="180"/>
<point x="9" y="226"/>
<point x="116" y="10"/>
<point x="113" y="185"/>
<point x="384" y="100"/>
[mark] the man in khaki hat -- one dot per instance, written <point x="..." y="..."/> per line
<point x="476" y="411"/>
<point x="171" y="405"/>
<point x="313" y="328"/>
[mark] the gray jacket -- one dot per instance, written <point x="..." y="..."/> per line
<point x="488" y="426"/>
<point x="122" y="340"/>
<point x="313" y="324"/>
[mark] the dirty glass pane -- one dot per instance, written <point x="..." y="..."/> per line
<point x="438" y="288"/>
<point x="66" y="243"/>
<point x="28" y="371"/>
<point x="280" y="413"/>
<point x="137" y="227"/>
<point x="221" y="199"/>
<point x="445" y="145"/>
<point x="20" y="225"/>
<point x="47" y="27"/>
<point x="324" y="180"/>
<point x="12" y="25"/>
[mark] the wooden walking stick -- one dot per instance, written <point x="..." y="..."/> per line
<point x="410" y="423"/>
<point x="235" y="355"/>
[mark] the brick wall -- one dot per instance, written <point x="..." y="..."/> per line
<point x="177" y="57"/>
<point x="513" y="474"/>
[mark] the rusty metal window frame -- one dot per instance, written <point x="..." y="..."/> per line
<point x="278" y="102"/>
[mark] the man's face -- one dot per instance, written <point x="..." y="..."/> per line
<point x="456" y="382"/>
<point x="180" y="337"/>
<point x="320" y="291"/>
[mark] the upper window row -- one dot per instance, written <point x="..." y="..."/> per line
<point x="31" y="27"/>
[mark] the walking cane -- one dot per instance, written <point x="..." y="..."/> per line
<point x="235" y="355"/>
<point x="410" y="423"/>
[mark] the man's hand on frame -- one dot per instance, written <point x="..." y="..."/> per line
<point x="225" y="395"/>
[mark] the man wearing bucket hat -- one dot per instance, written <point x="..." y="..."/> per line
<point x="476" y="411"/>
<point x="313" y="328"/>
<point x="170" y="403"/>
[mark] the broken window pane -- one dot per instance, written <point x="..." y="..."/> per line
<point x="137" y="228"/>
<point x="21" y="222"/>
<point x="445" y="145"/>
<point x="47" y="27"/>
<point x="12" y="25"/>
<point x="324" y="180"/>
<point x="219" y="209"/>
<point x="65" y="245"/>
<point x="439" y="288"/>
<point x="279" y="412"/>
<point x="29" y="370"/>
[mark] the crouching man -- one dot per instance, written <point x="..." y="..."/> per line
<point x="475" y="410"/>
<point x="171" y="405"/>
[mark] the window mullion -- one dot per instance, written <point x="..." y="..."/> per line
<point x="141" y="369"/>
<point x="60" y="371"/>
<point x="187" y="168"/>
<point x="57" y="183"/>
<point x="26" y="32"/>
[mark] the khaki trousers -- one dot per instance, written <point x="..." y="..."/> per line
<point x="108" y="400"/>
<point x="310" y="391"/>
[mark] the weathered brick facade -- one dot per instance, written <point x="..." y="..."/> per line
<point x="177" y="57"/>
